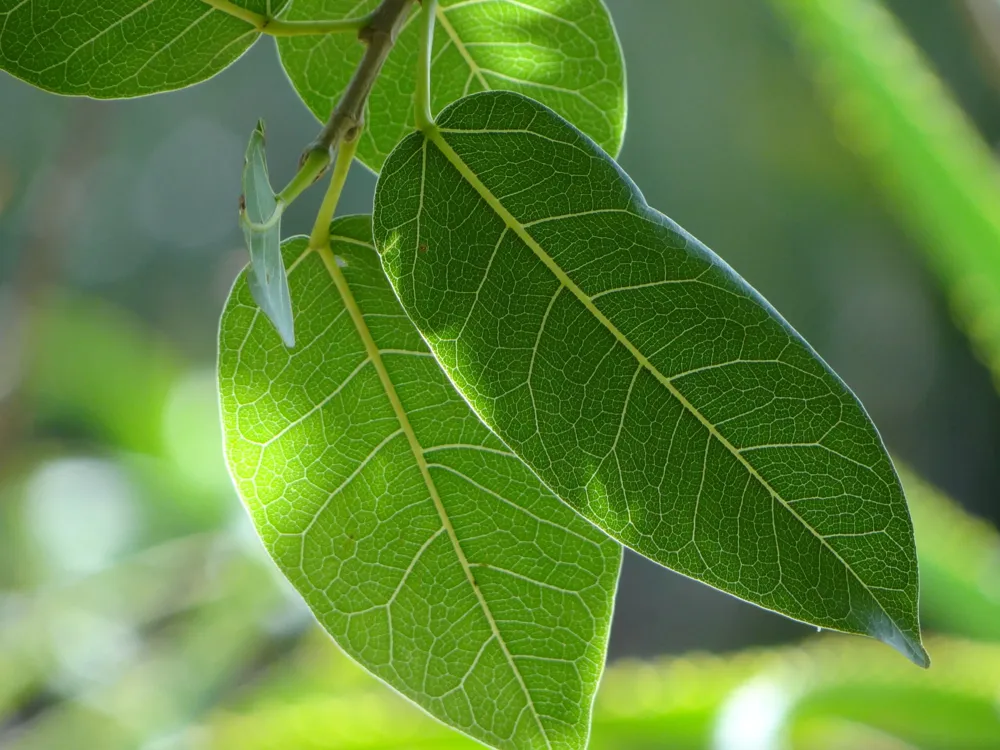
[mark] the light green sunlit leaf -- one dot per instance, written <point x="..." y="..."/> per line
<point x="261" y="222"/>
<point x="643" y="380"/>
<point x="564" y="53"/>
<point x="109" y="49"/>
<point x="425" y="548"/>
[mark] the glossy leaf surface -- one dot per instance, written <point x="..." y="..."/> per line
<point x="564" y="53"/>
<point x="109" y="49"/>
<point x="261" y="222"/>
<point x="638" y="375"/>
<point x="430" y="553"/>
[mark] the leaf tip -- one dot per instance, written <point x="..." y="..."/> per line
<point x="912" y="650"/>
<point x="275" y="302"/>
<point x="287" y="333"/>
<point x="884" y="629"/>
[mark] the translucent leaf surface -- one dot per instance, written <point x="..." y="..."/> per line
<point x="564" y="53"/>
<point x="430" y="553"/>
<point x="109" y="49"/>
<point x="262" y="232"/>
<point x="638" y="375"/>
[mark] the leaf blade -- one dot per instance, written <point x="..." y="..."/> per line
<point x="575" y="319"/>
<point x="119" y="49"/>
<point x="566" y="54"/>
<point x="260" y="216"/>
<point x="468" y="531"/>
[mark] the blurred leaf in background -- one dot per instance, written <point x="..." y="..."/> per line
<point x="136" y="607"/>
<point x="932" y="165"/>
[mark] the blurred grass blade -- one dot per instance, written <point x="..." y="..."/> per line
<point x="953" y="705"/>
<point x="933" y="167"/>
<point x="855" y="687"/>
<point x="260" y="216"/>
<point x="959" y="563"/>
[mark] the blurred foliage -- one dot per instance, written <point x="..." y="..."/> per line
<point x="929" y="160"/>
<point x="699" y="701"/>
<point x="136" y="607"/>
<point x="197" y="642"/>
<point x="201" y="618"/>
<point x="118" y="384"/>
<point x="959" y="564"/>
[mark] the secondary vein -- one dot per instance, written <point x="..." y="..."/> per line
<point x="460" y="46"/>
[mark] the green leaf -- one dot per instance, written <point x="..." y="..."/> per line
<point x="110" y="49"/>
<point x="260" y="217"/>
<point x="643" y="380"/>
<point x="565" y="54"/>
<point x="430" y="553"/>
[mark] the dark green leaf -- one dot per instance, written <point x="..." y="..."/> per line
<point x="433" y="556"/>
<point x="109" y="49"/>
<point x="564" y="53"/>
<point x="642" y="379"/>
<point x="261" y="220"/>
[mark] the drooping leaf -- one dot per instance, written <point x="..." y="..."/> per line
<point x="110" y="49"/>
<point x="261" y="224"/>
<point x="564" y="53"/>
<point x="638" y="375"/>
<point x="430" y="553"/>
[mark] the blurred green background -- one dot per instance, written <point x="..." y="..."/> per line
<point x="806" y="141"/>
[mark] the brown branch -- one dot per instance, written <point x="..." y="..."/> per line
<point x="347" y="119"/>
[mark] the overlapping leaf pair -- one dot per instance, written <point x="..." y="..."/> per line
<point x="421" y="463"/>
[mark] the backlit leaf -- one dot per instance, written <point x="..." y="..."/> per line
<point x="638" y="375"/>
<point x="430" y="553"/>
<point x="109" y="49"/>
<point x="564" y="53"/>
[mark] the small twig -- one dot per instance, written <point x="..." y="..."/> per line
<point x="424" y="114"/>
<point x="378" y="31"/>
<point x="347" y="119"/>
<point x="320" y="236"/>
<point x="277" y="27"/>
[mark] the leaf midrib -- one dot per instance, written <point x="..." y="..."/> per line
<point x="478" y="71"/>
<point x="435" y="135"/>
<point x="442" y="18"/>
<point x="375" y="357"/>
